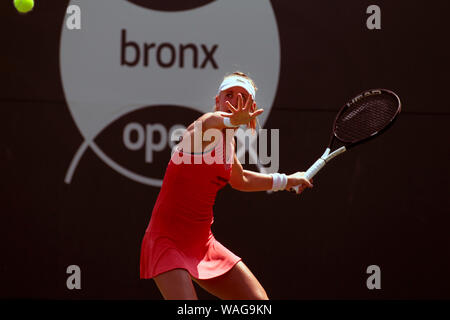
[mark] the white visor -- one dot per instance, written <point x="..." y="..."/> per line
<point x="237" y="81"/>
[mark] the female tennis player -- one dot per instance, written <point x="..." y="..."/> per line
<point x="178" y="245"/>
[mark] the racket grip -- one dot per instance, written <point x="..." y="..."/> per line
<point x="312" y="171"/>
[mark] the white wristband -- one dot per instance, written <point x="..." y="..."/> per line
<point x="279" y="181"/>
<point x="227" y="123"/>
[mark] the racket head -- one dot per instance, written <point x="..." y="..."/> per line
<point x="366" y="116"/>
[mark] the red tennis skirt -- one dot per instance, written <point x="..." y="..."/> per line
<point x="160" y="254"/>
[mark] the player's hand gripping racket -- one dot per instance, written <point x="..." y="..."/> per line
<point x="362" y="118"/>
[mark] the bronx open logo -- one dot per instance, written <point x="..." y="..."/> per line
<point x="137" y="72"/>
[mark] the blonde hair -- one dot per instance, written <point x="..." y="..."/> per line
<point x="241" y="74"/>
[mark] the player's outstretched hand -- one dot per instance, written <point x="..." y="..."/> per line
<point x="243" y="113"/>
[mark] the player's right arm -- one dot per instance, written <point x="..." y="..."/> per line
<point x="251" y="181"/>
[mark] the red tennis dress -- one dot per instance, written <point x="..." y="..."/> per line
<point x="179" y="233"/>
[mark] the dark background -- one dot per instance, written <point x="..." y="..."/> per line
<point x="384" y="203"/>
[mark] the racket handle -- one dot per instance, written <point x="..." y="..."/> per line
<point x="312" y="171"/>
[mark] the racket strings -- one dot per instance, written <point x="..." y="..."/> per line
<point x="365" y="117"/>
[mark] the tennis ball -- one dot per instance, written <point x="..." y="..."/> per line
<point x="24" y="6"/>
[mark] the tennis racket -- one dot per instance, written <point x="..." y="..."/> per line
<point x="364" y="117"/>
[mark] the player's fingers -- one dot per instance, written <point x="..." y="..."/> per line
<point x="248" y="103"/>
<point x="229" y="105"/>
<point x="256" y="113"/>
<point x="308" y="184"/>
<point x="240" y="101"/>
